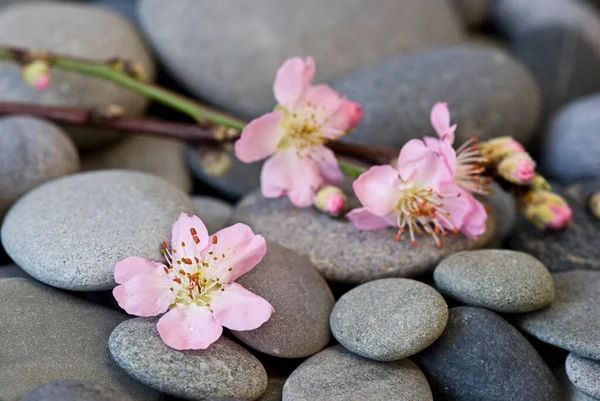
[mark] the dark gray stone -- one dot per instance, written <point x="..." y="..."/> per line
<point x="480" y="356"/>
<point x="474" y="12"/>
<point x="559" y="40"/>
<point x="505" y="206"/>
<point x="336" y="374"/>
<point x="224" y="369"/>
<point x="83" y="224"/>
<point x="500" y="280"/>
<point x="571" y="321"/>
<point x="32" y="151"/>
<point x="48" y="335"/>
<point x="74" y="390"/>
<point x="80" y="30"/>
<point x="11" y="271"/>
<point x="584" y="374"/>
<point x="572" y="248"/>
<point x="341" y="252"/>
<point x="390" y="319"/>
<point x="214" y="212"/>
<point x="229" y="52"/>
<point x="274" y="389"/>
<point x="302" y="301"/>
<point x="570" y="150"/>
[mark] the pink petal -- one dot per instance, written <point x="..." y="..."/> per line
<point x="189" y="327"/>
<point x="185" y="243"/>
<point x="411" y="154"/>
<point x="367" y="221"/>
<point x="145" y="287"/>
<point x="440" y="120"/>
<point x="456" y="204"/>
<point x="328" y="164"/>
<point x="337" y="114"/>
<point x="239" y="309"/>
<point x="259" y="139"/>
<point x="242" y="249"/>
<point x="445" y="151"/>
<point x="293" y="78"/>
<point x="306" y="180"/>
<point x="377" y="189"/>
<point x="432" y="171"/>
<point x="474" y="221"/>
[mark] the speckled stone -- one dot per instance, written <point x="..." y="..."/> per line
<point x="584" y="374"/>
<point x="341" y="252"/>
<point x="48" y="335"/>
<point x="571" y="321"/>
<point x="74" y="390"/>
<point x="505" y="207"/>
<point x="474" y="12"/>
<point x="400" y="318"/>
<point x="302" y="301"/>
<point x="85" y="223"/>
<point x="500" y="280"/>
<point x="214" y="212"/>
<point x="159" y="156"/>
<point x="32" y="151"/>
<point x="573" y="248"/>
<point x="567" y="389"/>
<point x="225" y="369"/>
<point x="80" y="30"/>
<point x="481" y="356"/>
<point x="336" y="374"/>
<point x="274" y="389"/>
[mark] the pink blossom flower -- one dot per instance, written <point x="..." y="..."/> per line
<point x="294" y="134"/>
<point x="518" y="168"/>
<point x="196" y="286"/>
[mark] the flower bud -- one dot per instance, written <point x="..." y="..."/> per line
<point x="546" y="210"/>
<point x="594" y="204"/>
<point x="517" y="168"/>
<point x="36" y="74"/>
<point x="215" y="163"/>
<point x="498" y="148"/>
<point x="539" y="183"/>
<point x="330" y="200"/>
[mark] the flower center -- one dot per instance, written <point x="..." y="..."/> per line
<point x="470" y="165"/>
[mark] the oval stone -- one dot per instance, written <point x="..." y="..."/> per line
<point x="500" y="280"/>
<point x="224" y="369"/>
<point x="274" y="389"/>
<point x="568" y="389"/>
<point x="584" y="374"/>
<point x="74" y="390"/>
<point x="214" y="212"/>
<point x="336" y="374"/>
<point x="83" y="224"/>
<point x="390" y="319"/>
<point x="302" y="301"/>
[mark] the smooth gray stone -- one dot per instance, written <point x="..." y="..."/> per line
<point x="474" y="12"/>
<point x="500" y="280"/>
<point x="127" y="8"/>
<point x="567" y="389"/>
<point x="571" y="321"/>
<point x="558" y="40"/>
<point x="48" y="335"/>
<point x="505" y="206"/>
<point x="85" y="223"/>
<point x="572" y="142"/>
<point x="214" y="212"/>
<point x="481" y="356"/>
<point x="400" y="318"/>
<point x="584" y="374"/>
<point x="159" y="156"/>
<point x="32" y="151"/>
<point x="274" y="389"/>
<point x="224" y="369"/>
<point x="336" y="374"/>
<point x="74" y="390"/>
<point x="341" y="252"/>
<point x="228" y="53"/>
<point x="80" y="30"/>
<point x="302" y="301"/>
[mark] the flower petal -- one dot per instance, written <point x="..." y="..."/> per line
<point x="236" y="249"/>
<point x="411" y="154"/>
<point x="189" y="327"/>
<point x="444" y="150"/>
<point x="367" y="221"/>
<point x="474" y="221"/>
<point x="455" y="205"/>
<point x="328" y="164"/>
<point x="293" y="78"/>
<point x="239" y="309"/>
<point x="184" y="243"/>
<point x="131" y="266"/>
<point x="377" y="189"/>
<point x="259" y="139"/>
<point x="440" y="118"/>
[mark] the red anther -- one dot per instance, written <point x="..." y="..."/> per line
<point x="164" y="244"/>
<point x="193" y="231"/>
<point x="177" y="280"/>
<point x="474" y="139"/>
<point x="440" y="196"/>
<point x="455" y="230"/>
<point x="438" y="244"/>
<point x="181" y="271"/>
<point x="214" y="240"/>
<point x="398" y="237"/>
<point x="191" y="296"/>
<point x="196" y="239"/>
<point x="487" y="209"/>
<point x="165" y="269"/>
<point x="473" y="147"/>
<point x="413" y="243"/>
<point x="196" y="259"/>
<point x="191" y="286"/>
<point x="436" y="230"/>
<point x="188" y="261"/>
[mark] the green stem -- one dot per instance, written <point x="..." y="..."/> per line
<point x="351" y="170"/>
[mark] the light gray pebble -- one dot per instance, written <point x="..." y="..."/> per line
<point x="584" y="374"/>
<point x="214" y="212"/>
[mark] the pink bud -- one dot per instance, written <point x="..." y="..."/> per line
<point x="335" y="204"/>
<point x="42" y="83"/>
<point x="36" y="74"/>
<point x="561" y="216"/>
<point x="354" y="113"/>
<point x="517" y="168"/>
<point x="547" y="210"/>
<point x="331" y="200"/>
<point x="498" y="148"/>
<point x="525" y="170"/>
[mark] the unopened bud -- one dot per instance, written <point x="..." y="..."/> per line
<point x="517" y="168"/>
<point x="594" y="204"/>
<point x="132" y="69"/>
<point x="330" y="200"/>
<point x="37" y="74"/>
<point x="498" y="148"/>
<point x="546" y="210"/>
<point x="216" y="163"/>
<point x="539" y="183"/>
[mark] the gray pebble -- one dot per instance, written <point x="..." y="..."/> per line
<point x="74" y="390"/>
<point x="336" y="374"/>
<point x="474" y="12"/>
<point x="390" y="319"/>
<point x="83" y="224"/>
<point x="224" y="369"/>
<point x="584" y="374"/>
<point x="274" y="389"/>
<point x="48" y="335"/>
<point x="214" y="212"/>
<point x="567" y="389"/>
<point x="505" y="206"/>
<point x="32" y="151"/>
<point x="302" y="301"/>
<point x="500" y="280"/>
<point x="11" y="271"/>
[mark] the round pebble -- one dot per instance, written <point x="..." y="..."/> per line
<point x="500" y="280"/>
<point x="274" y="389"/>
<point x="568" y="390"/>
<point x="584" y="374"/>
<point x="390" y="319"/>
<point x="224" y="369"/>
<point x="70" y="232"/>
<point x="336" y="374"/>
<point x="214" y="212"/>
<point x="74" y="390"/>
